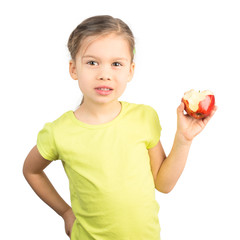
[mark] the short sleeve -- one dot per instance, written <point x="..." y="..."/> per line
<point x="46" y="143"/>
<point x="154" y="128"/>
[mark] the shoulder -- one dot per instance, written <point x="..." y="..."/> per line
<point x="138" y="106"/>
<point x="63" y="118"/>
<point x="60" y="122"/>
<point x="141" y="114"/>
<point x="141" y="109"/>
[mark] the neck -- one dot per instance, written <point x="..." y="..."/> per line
<point x="99" y="112"/>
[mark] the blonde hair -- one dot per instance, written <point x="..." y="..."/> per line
<point x="97" y="26"/>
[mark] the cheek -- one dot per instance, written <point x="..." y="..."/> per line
<point x="84" y="73"/>
<point x="122" y="83"/>
<point x="85" y="77"/>
<point x="122" y="75"/>
<point x="81" y="86"/>
<point x="125" y="76"/>
<point x="83" y="80"/>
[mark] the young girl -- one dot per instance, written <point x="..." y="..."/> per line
<point x="110" y="149"/>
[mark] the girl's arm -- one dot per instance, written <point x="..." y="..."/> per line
<point x="33" y="172"/>
<point x="167" y="170"/>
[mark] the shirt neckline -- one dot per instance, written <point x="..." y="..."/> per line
<point x="102" y="125"/>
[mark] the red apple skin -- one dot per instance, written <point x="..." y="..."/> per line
<point x="205" y="107"/>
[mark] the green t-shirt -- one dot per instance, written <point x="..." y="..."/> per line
<point x="111" y="184"/>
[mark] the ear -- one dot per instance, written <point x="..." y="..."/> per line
<point x="131" y="71"/>
<point x="72" y="69"/>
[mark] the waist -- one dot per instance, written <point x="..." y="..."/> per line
<point x="126" y="221"/>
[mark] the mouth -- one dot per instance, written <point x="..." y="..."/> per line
<point x="103" y="91"/>
<point x="104" y="88"/>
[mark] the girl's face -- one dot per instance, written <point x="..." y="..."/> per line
<point x="103" y="61"/>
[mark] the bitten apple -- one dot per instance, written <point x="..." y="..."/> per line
<point x="198" y="104"/>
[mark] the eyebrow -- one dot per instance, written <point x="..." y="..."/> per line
<point x="117" y="58"/>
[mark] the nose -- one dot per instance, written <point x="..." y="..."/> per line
<point x="104" y="78"/>
<point x="104" y="74"/>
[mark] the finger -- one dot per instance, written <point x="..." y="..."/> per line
<point x="215" y="108"/>
<point x="180" y="112"/>
<point x="180" y="109"/>
<point x="213" y="111"/>
<point x="206" y="120"/>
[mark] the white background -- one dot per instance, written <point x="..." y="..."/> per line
<point x="180" y="45"/>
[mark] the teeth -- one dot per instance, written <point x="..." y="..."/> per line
<point x="104" y="89"/>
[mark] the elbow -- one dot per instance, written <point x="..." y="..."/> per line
<point x="163" y="189"/>
<point x="165" y="192"/>
<point x="24" y="171"/>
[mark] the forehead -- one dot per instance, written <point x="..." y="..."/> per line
<point x="111" y="44"/>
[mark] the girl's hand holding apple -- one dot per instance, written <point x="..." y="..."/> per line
<point x="200" y="107"/>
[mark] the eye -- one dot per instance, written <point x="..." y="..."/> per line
<point x="117" y="64"/>
<point x="92" y="63"/>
